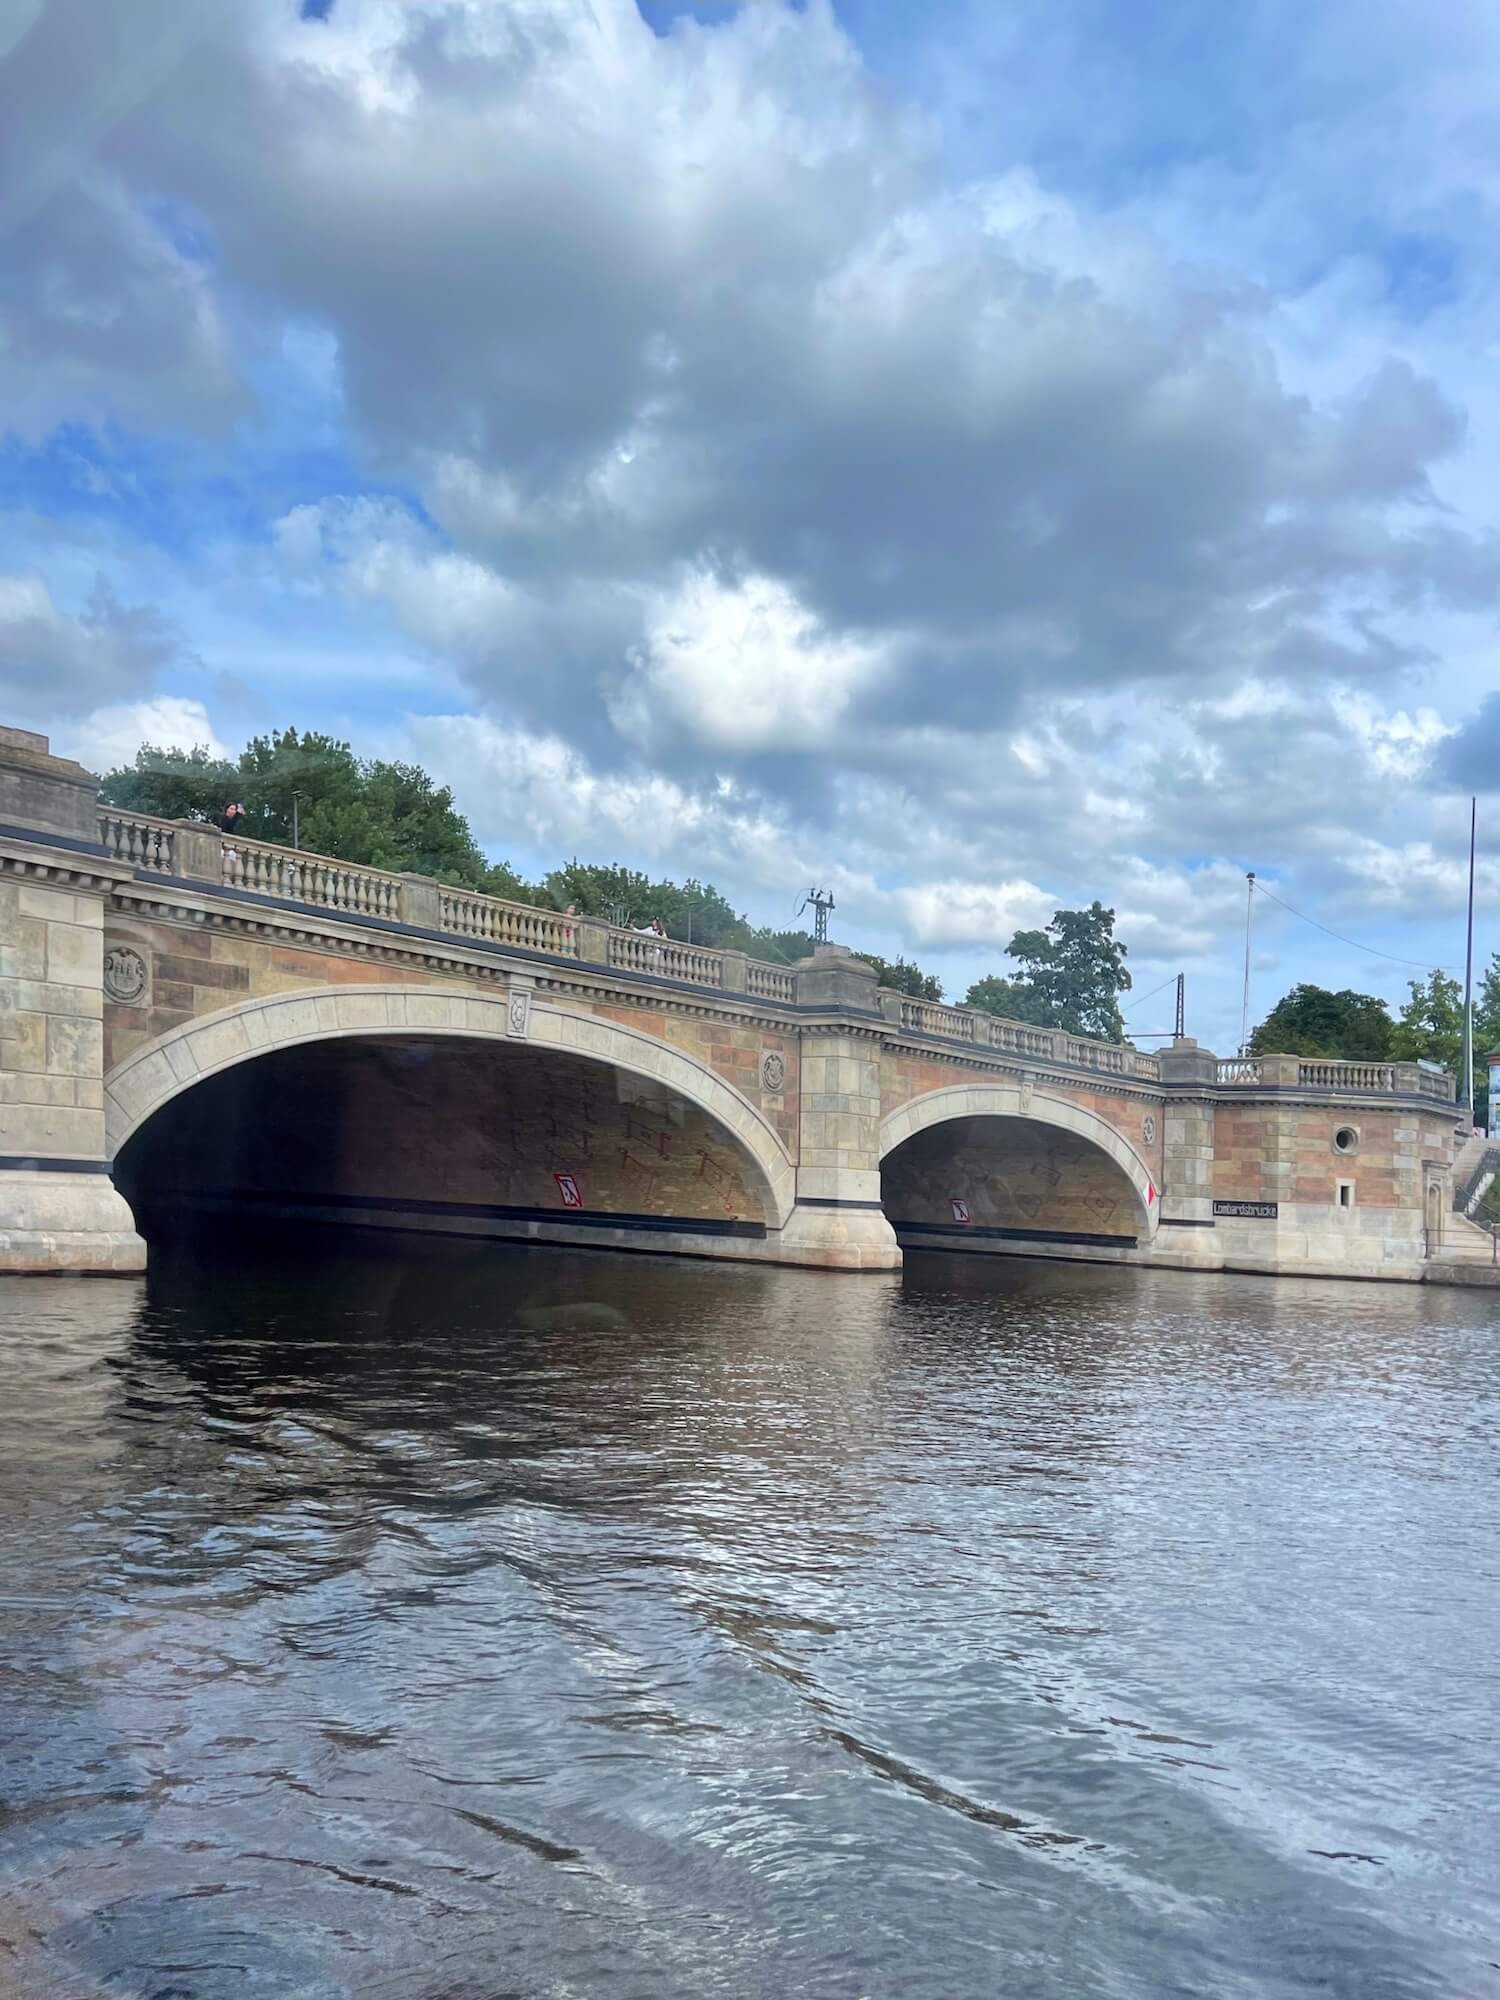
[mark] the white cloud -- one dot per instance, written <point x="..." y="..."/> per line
<point x="55" y="662"/>
<point x="741" y="666"/>
<point x="110" y="737"/>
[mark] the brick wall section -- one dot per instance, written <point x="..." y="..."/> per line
<point x="445" y="1121"/>
<point x="1285" y="1152"/>
<point x="192" y="971"/>
<point x="1014" y="1174"/>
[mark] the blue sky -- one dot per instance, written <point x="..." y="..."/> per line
<point x="986" y="456"/>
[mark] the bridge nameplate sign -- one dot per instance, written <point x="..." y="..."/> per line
<point x="1250" y="1211"/>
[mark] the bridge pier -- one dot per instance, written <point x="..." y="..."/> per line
<point x="59" y="1209"/>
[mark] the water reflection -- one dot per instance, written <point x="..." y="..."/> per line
<point x="482" y="1621"/>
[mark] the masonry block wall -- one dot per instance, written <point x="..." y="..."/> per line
<point x="51" y="1026"/>
<point x="443" y="1121"/>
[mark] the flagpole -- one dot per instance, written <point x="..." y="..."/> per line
<point x="1245" y="1007"/>
<point x="1468" y="1054"/>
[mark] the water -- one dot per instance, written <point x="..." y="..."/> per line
<point x="469" y="1624"/>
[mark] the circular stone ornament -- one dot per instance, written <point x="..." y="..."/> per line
<point x="1148" y="1129"/>
<point x="772" y="1071"/>
<point x="125" y="975"/>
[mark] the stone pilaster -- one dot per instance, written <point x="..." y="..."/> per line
<point x="1187" y="1174"/>
<point x="838" y="1221"/>
<point x="59" y="1210"/>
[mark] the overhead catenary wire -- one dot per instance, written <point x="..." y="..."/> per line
<point x="1145" y="997"/>
<point x="1416" y="964"/>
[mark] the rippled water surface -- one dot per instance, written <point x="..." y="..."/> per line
<point x="461" y="1625"/>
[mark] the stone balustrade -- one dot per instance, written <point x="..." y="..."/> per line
<point x="133" y="838"/>
<point x="467" y="913"/>
<point x="192" y="850"/>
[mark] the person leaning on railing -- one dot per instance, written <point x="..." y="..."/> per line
<point x="230" y="823"/>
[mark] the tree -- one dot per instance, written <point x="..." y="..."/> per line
<point x="1073" y="973"/>
<point x="1011" y="999"/>
<point x="1431" y="1028"/>
<point x="173" y="784"/>
<point x="384" y="815"/>
<point x="904" y="978"/>
<point x="1311" y="1021"/>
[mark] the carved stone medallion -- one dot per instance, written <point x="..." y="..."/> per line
<point x="125" y="975"/>
<point x="1148" y="1129"/>
<point x="772" y="1071"/>
<point x="1025" y="1095"/>
<point x="518" y="1019"/>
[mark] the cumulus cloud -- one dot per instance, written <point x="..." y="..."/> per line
<point x="633" y="309"/>
<point x="110" y="737"/>
<point x="55" y="662"/>
<point x="782" y="499"/>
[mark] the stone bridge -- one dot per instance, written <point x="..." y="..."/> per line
<point x="187" y="1024"/>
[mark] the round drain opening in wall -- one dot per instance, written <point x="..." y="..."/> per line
<point x="1346" y="1139"/>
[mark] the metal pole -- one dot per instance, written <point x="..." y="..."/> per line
<point x="1468" y="1046"/>
<point x="1181" y="1023"/>
<point x="296" y="821"/>
<point x="1245" y="1007"/>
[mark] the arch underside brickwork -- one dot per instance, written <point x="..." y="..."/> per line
<point x="151" y="1077"/>
<point x="964" y="1101"/>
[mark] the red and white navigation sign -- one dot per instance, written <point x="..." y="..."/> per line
<point x="568" y="1188"/>
<point x="960" y="1209"/>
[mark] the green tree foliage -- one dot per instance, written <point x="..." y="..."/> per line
<point x="1011" y="999"/>
<point x="1072" y="974"/>
<point x="1431" y="1027"/>
<point x="1311" y="1021"/>
<point x="173" y="784"/>
<point x="904" y="978"/>
<point x="386" y="815"/>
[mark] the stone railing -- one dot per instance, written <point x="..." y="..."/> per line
<point x="769" y="982"/>
<point x="989" y="1031"/>
<point x="466" y="913"/>
<point x="1019" y="1038"/>
<point x="1238" y="1069"/>
<point x="665" y="958"/>
<point x="132" y="837"/>
<point x="1321" y="1075"/>
<point x="927" y="1017"/>
<point x="1329" y="1073"/>
<point x="295" y="877"/>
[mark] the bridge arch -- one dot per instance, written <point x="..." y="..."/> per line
<point x="151" y="1077"/>
<point x="938" y="1107"/>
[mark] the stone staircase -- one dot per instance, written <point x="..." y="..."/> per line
<point x="1475" y="1165"/>
<point x="1464" y="1242"/>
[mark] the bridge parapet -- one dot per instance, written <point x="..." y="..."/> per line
<point x="1398" y="1079"/>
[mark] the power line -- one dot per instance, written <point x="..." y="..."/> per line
<point x="1417" y="964"/>
<point x="1152" y="994"/>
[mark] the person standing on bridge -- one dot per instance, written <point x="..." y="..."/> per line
<point x="229" y="823"/>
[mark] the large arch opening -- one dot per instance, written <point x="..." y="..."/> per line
<point x="976" y="1169"/>
<point x="460" y="1128"/>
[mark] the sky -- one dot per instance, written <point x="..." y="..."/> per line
<point x="978" y="458"/>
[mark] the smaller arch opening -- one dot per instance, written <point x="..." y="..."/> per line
<point x="997" y="1181"/>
